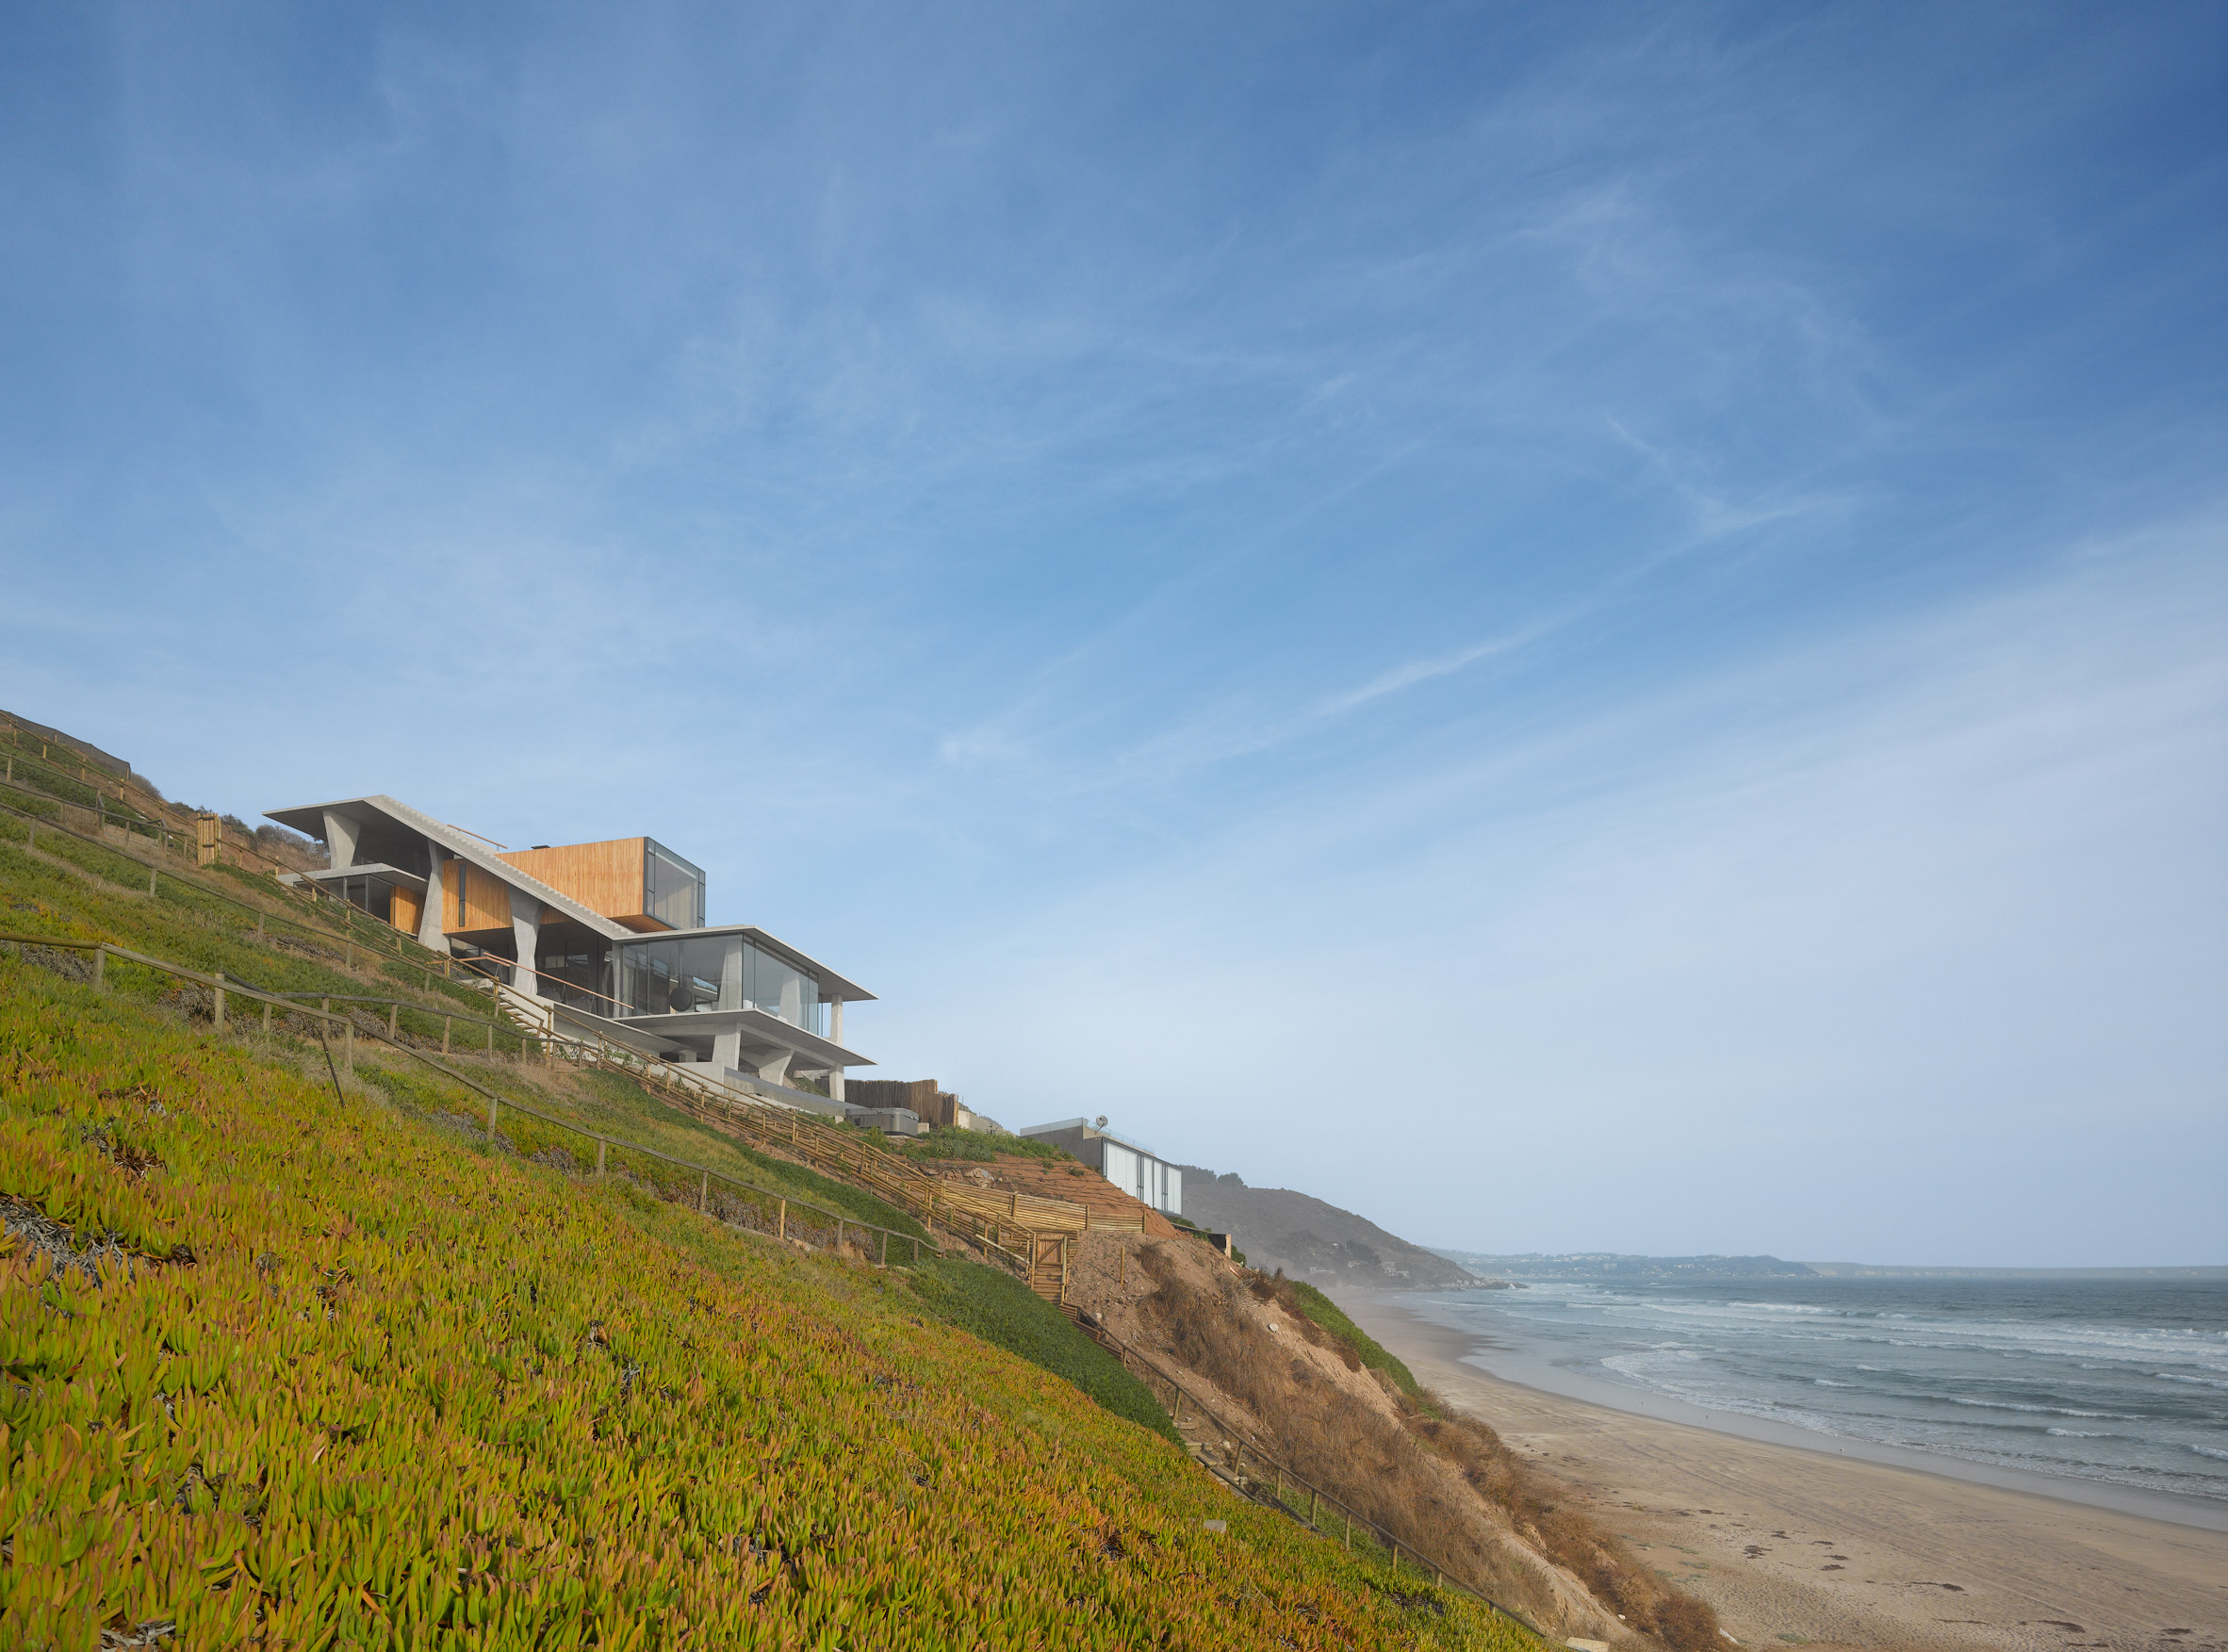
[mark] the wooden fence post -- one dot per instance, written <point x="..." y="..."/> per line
<point x="447" y="1022"/>
<point x="491" y="1037"/>
<point x="267" y="1017"/>
<point x="491" y="1107"/>
<point x="782" y="1222"/>
<point x="393" y="1010"/>
<point x="704" y="1193"/>
<point x="100" y="968"/>
<point x="150" y="880"/>
<point x="348" y="1047"/>
<point x="600" y="1145"/>
<point x="217" y="1019"/>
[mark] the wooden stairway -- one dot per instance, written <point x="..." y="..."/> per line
<point x="1048" y="1267"/>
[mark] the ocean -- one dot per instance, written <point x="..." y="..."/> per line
<point x="2125" y="1382"/>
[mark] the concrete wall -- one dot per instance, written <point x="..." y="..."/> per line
<point x="1155" y="1182"/>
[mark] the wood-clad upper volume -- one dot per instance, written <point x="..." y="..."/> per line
<point x="606" y="878"/>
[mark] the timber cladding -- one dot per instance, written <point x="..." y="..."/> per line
<point x="473" y="898"/>
<point x="931" y="1104"/>
<point x="606" y="878"/>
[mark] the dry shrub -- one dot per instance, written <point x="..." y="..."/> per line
<point x="1407" y="1472"/>
<point x="1276" y="1288"/>
<point x="1569" y="1537"/>
<point x="1332" y="1437"/>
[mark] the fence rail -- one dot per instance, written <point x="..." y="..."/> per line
<point x="384" y="943"/>
<point x="158" y="812"/>
<point x="222" y="985"/>
<point x="1238" y="1443"/>
<point x="1004" y="1229"/>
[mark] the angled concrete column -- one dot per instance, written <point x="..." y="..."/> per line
<point x="526" y="938"/>
<point x="835" y="1036"/>
<point x="340" y="837"/>
<point x="429" y="921"/>
<point x="727" y="1050"/>
<point x="775" y="1068"/>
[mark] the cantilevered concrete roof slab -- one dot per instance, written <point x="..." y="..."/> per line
<point x="309" y="819"/>
<point x="757" y="1027"/>
<point x="832" y="984"/>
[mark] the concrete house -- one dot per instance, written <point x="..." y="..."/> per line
<point x="1138" y="1170"/>
<point x="610" y="934"/>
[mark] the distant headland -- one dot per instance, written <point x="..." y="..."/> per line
<point x="1605" y="1265"/>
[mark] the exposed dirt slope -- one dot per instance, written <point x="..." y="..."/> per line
<point x="1334" y="1423"/>
<point x="1051" y="1179"/>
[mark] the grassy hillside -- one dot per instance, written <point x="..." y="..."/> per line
<point x="318" y="1369"/>
<point x="1373" y="1354"/>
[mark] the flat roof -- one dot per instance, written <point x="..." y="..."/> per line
<point x="1090" y="1129"/>
<point x="309" y="819"/>
<point x="850" y="991"/>
<point x="771" y="1029"/>
<point x="378" y="868"/>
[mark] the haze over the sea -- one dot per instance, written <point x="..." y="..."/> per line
<point x="1574" y="627"/>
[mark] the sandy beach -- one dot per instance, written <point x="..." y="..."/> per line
<point x="1799" y="1544"/>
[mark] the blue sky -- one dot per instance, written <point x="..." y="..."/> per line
<point x="1578" y="627"/>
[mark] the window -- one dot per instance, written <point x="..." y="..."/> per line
<point x="716" y="971"/>
<point x="672" y="889"/>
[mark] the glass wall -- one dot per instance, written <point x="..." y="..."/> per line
<point x="716" y="971"/>
<point x="375" y="895"/>
<point x="672" y="889"/>
<point x="574" y="977"/>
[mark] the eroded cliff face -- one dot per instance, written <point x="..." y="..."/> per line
<point x="1304" y="1396"/>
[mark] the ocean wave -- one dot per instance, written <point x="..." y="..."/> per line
<point x="2108" y="1416"/>
<point x="1962" y="1379"/>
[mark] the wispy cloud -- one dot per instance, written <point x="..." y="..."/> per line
<point x="1454" y="559"/>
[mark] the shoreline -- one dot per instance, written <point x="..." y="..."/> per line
<point x="1795" y="1541"/>
<point x="1505" y="1364"/>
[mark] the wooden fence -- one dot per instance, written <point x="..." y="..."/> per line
<point x="225" y="988"/>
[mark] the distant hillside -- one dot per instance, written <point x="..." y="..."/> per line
<point x="1604" y="1265"/>
<point x="1309" y="1240"/>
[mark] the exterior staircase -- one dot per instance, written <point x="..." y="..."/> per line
<point x="1048" y="1269"/>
